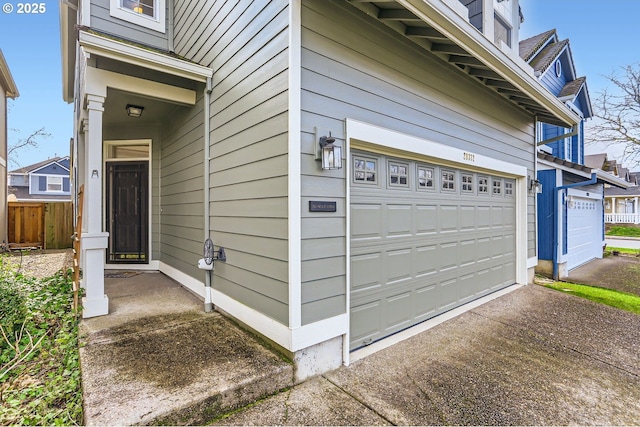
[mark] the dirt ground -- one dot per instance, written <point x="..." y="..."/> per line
<point x="40" y="263"/>
<point x="621" y="273"/>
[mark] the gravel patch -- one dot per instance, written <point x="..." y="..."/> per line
<point x="40" y="263"/>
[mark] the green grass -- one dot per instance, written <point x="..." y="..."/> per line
<point x="39" y="356"/>
<point x="620" y="230"/>
<point x="617" y="299"/>
<point x="626" y="251"/>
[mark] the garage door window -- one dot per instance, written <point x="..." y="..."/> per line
<point x="508" y="188"/>
<point x="426" y="179"/>
<point x="398" y="175"/>
<point x="467" y="183"/>
<point x="497" y="187"/>
<point x="483" y="185"/>
<point x="364" y="171"/>
<point x="448" y="181"/>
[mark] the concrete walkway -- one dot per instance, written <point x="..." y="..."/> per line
<point x="157" y="358"/>
<point x="533" y="357"/>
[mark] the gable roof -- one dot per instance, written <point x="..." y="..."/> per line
<point x="595" y="160"/>
<point x="34" y="167"/>
<point x="545" y="49"/>
<point x="529" y="47"/>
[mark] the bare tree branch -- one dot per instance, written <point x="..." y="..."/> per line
<point x="31" y="141"/>
<point x="617" y="113"/>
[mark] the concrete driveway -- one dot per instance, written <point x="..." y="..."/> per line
<point x="533" y="357"/>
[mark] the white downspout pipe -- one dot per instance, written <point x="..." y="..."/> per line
<point x="208" y="304"/>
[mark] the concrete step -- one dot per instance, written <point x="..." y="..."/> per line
<point x="180" y="368"/>
<point x="158" y="358"/>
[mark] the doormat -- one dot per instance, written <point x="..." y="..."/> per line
<point x="121" y="274"/>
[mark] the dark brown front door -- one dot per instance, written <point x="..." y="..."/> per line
<point x="127" y="212"/>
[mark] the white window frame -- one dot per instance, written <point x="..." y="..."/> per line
<point x="431" y="179"/>
<point x="54" y="180"/>
<point x="398" y="175"/>
<point x="156" y="23"/>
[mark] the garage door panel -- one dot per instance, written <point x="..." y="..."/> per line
<point x="365" y="221"/>
<point x="426" y="219"/>
<point x="448" y="218"/>
<point x="483" y="217"/>
<point x="468" y="251"/>
<point x="399" y="220"/>
<point x="467" y="218"/>
<point x="426" y="302"/>
<point x="447" y="256"/>
<point x="365" y="272"/>
<point x="398" y="309"/>
<point x="416" y="253"/>
<point x="399" y="265"/>
<point x="584" y="230"/>
<point x="426" y="260"/>
<point x="365" y="321"/>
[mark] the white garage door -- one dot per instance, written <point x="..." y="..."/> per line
<point x="584" y="228"/>
<point x="424" y="239"/>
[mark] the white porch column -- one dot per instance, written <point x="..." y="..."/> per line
<point x="613" y="205"/>
<point x="94" y="240"/>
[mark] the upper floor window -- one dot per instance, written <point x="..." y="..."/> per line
<point x="146" y="13"/>
<point x="501" y="31"/>
<point x="54" y="183"/>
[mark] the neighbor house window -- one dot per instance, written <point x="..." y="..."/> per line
<point x="146" y="13"/>
<point x="54" y="183"/>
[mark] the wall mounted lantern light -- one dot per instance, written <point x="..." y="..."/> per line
<point x="331" y="154"/>
<point x="535" y="186"/>
<point x="134" y="110"/>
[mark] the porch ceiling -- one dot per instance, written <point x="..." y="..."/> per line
<point x="403" y="17"/>
<point x="115" y="113"/>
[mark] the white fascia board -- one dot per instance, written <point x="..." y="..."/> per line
<point x="512" y="68"/>
<point x="67" y="46"/>
<point x="364" y="134"/>
<point x="97" y="82"/>
<point x="102" y="46"/>
<point x="610" y="179"/>
<point x="6" y="79"/>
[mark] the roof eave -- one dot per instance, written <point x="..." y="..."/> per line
<point x="457" y="29"/>
<point x="6" y="79"/>
<point x="611" y="179"/>
<point x="68" y="21"/>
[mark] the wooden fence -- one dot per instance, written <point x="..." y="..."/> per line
<point x="40" y="225"/>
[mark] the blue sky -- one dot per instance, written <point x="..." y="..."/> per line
<point x="602" y="34"/>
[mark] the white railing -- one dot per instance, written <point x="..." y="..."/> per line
<point x="622" y="218"/>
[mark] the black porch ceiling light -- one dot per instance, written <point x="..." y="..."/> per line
<point x="134" y="110"/>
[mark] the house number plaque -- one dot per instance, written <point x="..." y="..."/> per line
<point x="317" y="206"/>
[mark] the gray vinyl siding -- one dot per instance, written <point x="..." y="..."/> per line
<point x="246" y="44"/>
<point x="101" y="20"/>
<point x="181" y="190"/>
<point x="355" y="67"/>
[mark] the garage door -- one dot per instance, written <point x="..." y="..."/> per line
<point x="425" y="239"/>
<point x="584" y="229"/>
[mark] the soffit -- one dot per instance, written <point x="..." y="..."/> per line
<point x="467" y="51"/>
